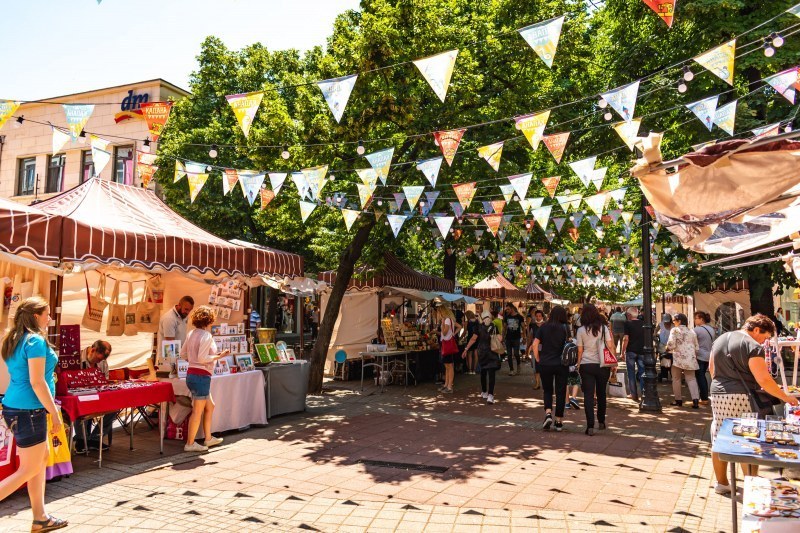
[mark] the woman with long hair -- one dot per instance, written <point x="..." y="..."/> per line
<point x="488" y="360"/>
<point x="448" y="345"/>
<point x="28" y="401"/>
<point x="551" y="337"/>
<point x="593" y="336"/>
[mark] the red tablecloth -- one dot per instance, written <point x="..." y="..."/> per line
<point x="115" y="400"/>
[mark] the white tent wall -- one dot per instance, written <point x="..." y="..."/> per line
<point x="724" y="307"/>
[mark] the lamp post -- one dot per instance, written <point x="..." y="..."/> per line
<point x="650" y="401"/>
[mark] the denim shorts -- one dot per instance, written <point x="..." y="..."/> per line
<point x="29" y="426"/>
<point x="200" y="386"/>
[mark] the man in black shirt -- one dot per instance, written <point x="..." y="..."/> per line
<point x="633" y="348"/>
<point x="512" y="332"/>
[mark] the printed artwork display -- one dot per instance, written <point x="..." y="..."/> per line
<point x="245" y="363"/>
<point x="262" y="353"/>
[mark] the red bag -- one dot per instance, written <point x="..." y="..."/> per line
<point x="609" y="359"/>
<point x="9" y="460"/>
<point x="177" y="431"/>
<point x="449" y="346"/>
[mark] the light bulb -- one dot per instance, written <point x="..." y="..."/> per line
<point x="688" y="75"/>
<point x="607" y="115"/>
<point x="209" y="168"/>
<point x="82" y="137"/>
<point x="682" y="87"/>
<point x="331" y="178"/>
<point x="19" y="122"/>
<point x="213" y="152"/>
<point x="422" y="203"/>
<point x="777" y="41"/>
<point x="788" y="128"/>
<point x="146" y="146"/>
<point x="602" y="103"/>
<point x="768" y="50"/>
<point x="285" y="153"/>
<point x="380" y="202"/>
<point x="360" y="150"/>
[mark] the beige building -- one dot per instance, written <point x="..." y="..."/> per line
<point x="30" y="171"/>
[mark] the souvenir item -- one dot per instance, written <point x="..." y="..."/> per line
<point x="262" y="353"/>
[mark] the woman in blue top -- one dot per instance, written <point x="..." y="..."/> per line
<point x="31" y="364"/>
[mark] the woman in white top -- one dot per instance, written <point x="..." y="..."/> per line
<point x="682" y="343"/>
<point x="593" y="336"/>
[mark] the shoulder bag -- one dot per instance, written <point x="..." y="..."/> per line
<point x="609" y="359"/>
<point x="761" y="401"/>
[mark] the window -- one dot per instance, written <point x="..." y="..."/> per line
<point x="123" y="165"/>
<point x="55" y="173"/>
<point x="87" y="166"/>
<point x="26" y="180"/>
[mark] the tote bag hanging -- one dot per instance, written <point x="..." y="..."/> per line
<point x="156" y="286"/>
<point x="116" y="315"/>
<point x="608" y="359"/>
<point x="96" y="305"/>
<point x="148" y="312"/>
<point x="131" y="310"/>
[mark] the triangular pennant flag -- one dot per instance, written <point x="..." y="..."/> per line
<point x="577" y="218"/>
<point x="543" y="38"/>
<point x="597" y="202"/>
<point x="629" y="131"/>
<point x="487" y="207"/>
<point x="251" y="183"/>
<point x="145" y="167"/>
<point x="430" y="168"/>
<point x="300" y="182"/>
<point x="564" y="202"/>
<point x="705" y="110"/>
<point x="720" y="61"/>
<point x="508" y="191"/>
<point x="180" y="171"/>
<point x="525" y="205"/>
<point x="725" y="117"/>
<point x="584" y="169"/>
<point x="465" y="192"/>
<point x="532" y="126"/>
<point x="448" y="141"/>
<point x="542" y="215"/>
<point x="396" y="222"/>
<point x="306" y="208"/>
<point x="559" y="222"/>
<point x="795" y="10"/>
<point x="412" y="194"/>
<point x="551" y="184"/>
<point x="196" y="182"/>
<point x="458" y="210"/>
<point x="336" y="92"/>
<point x="77" y="117"/>
<point x="315" y="178"/>
<point x="491" y="153"/>
<point x="350" y="216"/>
<point x="229" y="180"/>
<point x="276" y="180"/>
<point x="498" y="206"/>
<point x="623" y="100"/>
<point x="60" y="138"/>
<point x="365" y="194"/>
<point x="156" y="114"/>
<point x="556" y="144"/>
<point x="245" y="106"/>
<point x="598" y="177"/>
<point x="784" y="83"/>
<point x="431" y="197"/>
<point x="368" y="176"/>
<point x="7" y="109"/>
<point x="618" y="195"/>
<point x="615" y="214"/>
<point x="593" y="220"/>
<point x="393" y="207"/>
<point x="665" y="9"/>
<point x="521" y="182"/>
<point x="492" y="222"/>
<point x="479" y="233"/>
<point x="381" y="161"/>
<point x="267" y="196"/>
<point x="399" y="198"/>
<point x="444" y="224"/>
<point x="438" y="70"/>
<point x="767" y="131"/>
<point x="101" y="156"/>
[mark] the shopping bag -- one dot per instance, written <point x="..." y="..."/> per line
<point x="148" y="312"/>
<point x="617" y="387"/>
<point x="96" y="305"/>
<point x="59" y="462"/>
<point x="116" y="315"/>
<point x="177" y="431"/>
<point x="131" y="310"/>
<point x="9" y="461"/>
<point x="497" y="345"/>
<point x="609" y="359"/>
<point x="156" y="286"/>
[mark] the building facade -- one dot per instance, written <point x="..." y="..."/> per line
<point x="29" y="171"/>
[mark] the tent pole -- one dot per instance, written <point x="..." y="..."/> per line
<point x="746" y="254"/>
<point x="301" y="312"/>
<point x="56" y="288"/>
<point x="650" y="401"/>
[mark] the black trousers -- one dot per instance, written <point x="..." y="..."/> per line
<point x="702" y="382"/>
<point x="491" y="375"/>
<point x="512" y="349"/>
<point x="594" y="380"/>
<point x="554" y="374"/>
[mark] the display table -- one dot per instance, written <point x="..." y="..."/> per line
<point x="238" y="398"/>
<point x="770" y="506"/>
<point x="285" y="387"/>
<point x="81" y="407"/>
<point x="383" y="358"/>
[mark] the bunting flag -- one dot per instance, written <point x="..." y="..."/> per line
<point x="629" y="132"/>
<point x="229" y="180"/>
<point x="180" y="171"/>
<point x="725" y="117"/>
<point x="572" y="201"/>
<point x="365" y="194"/>
<point x="267" y="196"/>
<point x="784" y="83"/>
<point x="794" y="10"/>
<point x="300" y="182"/>
<point x="156" y="114"/>
<point x="623" y="100"/>
<point x="315" y="178"/>
<point x="767" y="131"/>
<point x="458" y="210"/>
<point x="665" y="9"/>
<point x="491" y="153"/>
<point x="597" y="202"/>
<point x="431" y="197"/>
<point x="559" y="222"/>
<point x="492" y="222"/>
<point x="396" y="223"/>
<point x="7" y="109"/>
<point x="478" y="234"/>
<point x="521" y="182"/>
<point x="393" y="207"/>
<point x="430" y="168"/>
<point x="598" y="177"/>
<point x="593" y="220"/>
<point x="577" y="218"/>
<point x="530" y="203"/>
<point x="618" y="195"/>
<point x="412" y="194"/>
<point x="101" y="156"/>
<point x="705" y="110"/>
<point x="444" y="224"/>
<point x="465" y="192"/>
<point x="584" y="169"/>
<point x="551" y="184"/>
<point x="556" y="144"/>
<point x="381" y="161"/>
<point x="59" y="139"/>
<point x="336" y="92"/>
<point x="627" y="216"/>
<point x="719" y="61"/>
<point x="349" y="216"/>
<point x="543" y="38"/>
<point x="542" y="215"/>
<point x="368" y="176"/>
<point x="508" y="191"/>
<point x="498" y="206"/>
<point x="448" y="141"/>
<point x="399" y="198"/>
<point x="532" y="126"/>
<point x="245" y="106"/>
<point x="145" y="167"/>
<point x="276" y="180"/>
<point x="487" y="207"/>
<point x="251" y="183"/>
<point x="438" y="70"/>
<point x="196" y="182"/>
<point x="77" y="117"/>
<point x="306" y="208"/>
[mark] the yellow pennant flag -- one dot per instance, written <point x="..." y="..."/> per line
<point x="365" y="194"/>
<point x="180" y="171"/>
<point x="7" y="108"/>
<point x="720" y="61"/>
<point x="533" y="126"/>
<point x="306" y="208"/>
<point x="244" y="107"/>
<point x="196" y="182"/>
<point x="438" y="70"/>
<point x="350" y="216"/>
<point x="629" y="131"/>
<point x="491" y="153"/>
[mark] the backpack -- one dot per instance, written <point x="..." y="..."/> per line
<point x="569" y="355"/>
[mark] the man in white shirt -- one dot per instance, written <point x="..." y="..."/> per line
<point x="172" y="325"/>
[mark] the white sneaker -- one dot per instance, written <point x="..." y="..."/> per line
<point x="490" y="398"/>
<point x="722" y="489"/>
<point x="484" y="395"/>
<point x="213" y="441"/>
<point x="195" y="447"/>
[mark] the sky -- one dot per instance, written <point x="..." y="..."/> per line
<point x="57" y="47"/>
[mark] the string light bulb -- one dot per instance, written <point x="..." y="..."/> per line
<point x="146" y="146"/>
<point x="682" y="88"/>
<point x="602" y="103"/>
<point x="285" y="153"/>
<point x="787" y="128"/>
<point x="360" y="150"/>
<point x="19" y="121"/>
<point x="777" y="40"/>
<point x="332" y="177"/>
<point x="213" y="152"/>
<point x="769" y="51"/>
<point x="688" y="75"/>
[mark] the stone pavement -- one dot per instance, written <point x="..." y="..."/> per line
<point x="468" y="467"/>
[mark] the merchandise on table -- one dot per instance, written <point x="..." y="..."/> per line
<point x="770" y="505"/>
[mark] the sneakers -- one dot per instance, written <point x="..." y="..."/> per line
<point x="213" y="441"/>
<point x="548" y="422"/>
<point x="719" y="488"/>
<point x="195" y="447"/>
<point x="490" y="398"/>
<point x="484" y="395"/>
<point x="511" y="373"/>
<point x="559" y="426"/>
<point x="574" y="403"/>
<point x="447" y="391"/>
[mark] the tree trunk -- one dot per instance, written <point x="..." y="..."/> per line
<point x="761" y="299"/>
<point x="343" y="276"/>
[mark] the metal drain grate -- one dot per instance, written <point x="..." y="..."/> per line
<point x="404" y="466"/>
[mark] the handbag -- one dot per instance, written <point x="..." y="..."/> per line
<point x="616" y="386"/>
<point x="665" y="362"/>
<point x="116" y="315"/>
<point x="450" y="346"/>
<point x="762" y="402"/>
<point x="609" y="359"/>
<point x="148" y="311"/>
<point x="96" y="305"/>
<point x="497" y="345"/>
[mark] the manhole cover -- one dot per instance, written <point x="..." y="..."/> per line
<point x="404" y="466"/>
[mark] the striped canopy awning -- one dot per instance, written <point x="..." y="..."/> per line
<point x="496" y="288"/>
<point x="393" y="274"/>
<point x="537" y="293"/>
<point x="28" y="229"/>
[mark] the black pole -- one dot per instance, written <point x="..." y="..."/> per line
<point x="650" y="401"/>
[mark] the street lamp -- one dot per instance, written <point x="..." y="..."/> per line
<point x="650" y="400"/>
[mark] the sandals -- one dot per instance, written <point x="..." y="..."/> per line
<point x="51" y="524"/>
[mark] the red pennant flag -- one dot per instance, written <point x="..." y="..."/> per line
<point x="551" y="184"/>
<point x="556" y="144"/>
<point x="156" y="114"/>
<point x="663" y="8"/>
<point x="448" y="141"/>
<point x="493" y="222"/>
<point x="498" y="206"/>
<point x="650" y="211"/>
<point x="266" y="197"/>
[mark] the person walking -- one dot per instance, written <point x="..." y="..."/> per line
<point x="705" y="340"/>
<point x="593" y="337"/>
<point x="449" y="347"/>
<point x="682" y="344"/>
<point x="27" y="404"/>
<point x="548" y="346"/>
<point x="472" y="329"/>
<point x="665" y="357"/>
<point x="512" y="335"/>
<point x="618" y="319"/>
<point x="536" y="323"/>
<point x="738" y="370"/>
<point x="633" y="350"/>
<point x="487" y="359"/>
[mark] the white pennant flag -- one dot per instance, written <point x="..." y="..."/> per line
<point x="381" y="161"/>
<point x="315" y="178"/>
<point x="705" y="110"/>
<point x="444" y="224"/>
<point x="300" y="182"/>
<point x="251" y="183"/>
<point x="100" y="155"/>
<point x="59" y="139"/>
<point x="784" y="83"/>
<point x="521" y="182"/>
<point x="623" y="100"/>
<point x="542" y="215"/>
<point x="584" y="169"/>
<point x="618" y="195"/>
<point x="598" y="177"/>
<point x="337" y="92"/>
<point x="276" y="180"/>
<point x="412" y="194"/>
<point x="368" y="176"/>
<point x="396" y="222"/>
<point x="438" y="70"/>
<point x="430" y="168"/>
<point x="508" y="191"/>
<point x="597" y="203"/>
<point x="725" y="117"/>
<point x="365" y="193"/>
<point x="543" y="38"/>
<point x="350" y="216"/>
<point x="306" y="208"/>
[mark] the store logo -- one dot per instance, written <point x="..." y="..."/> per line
<point x="134" y="101"/>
